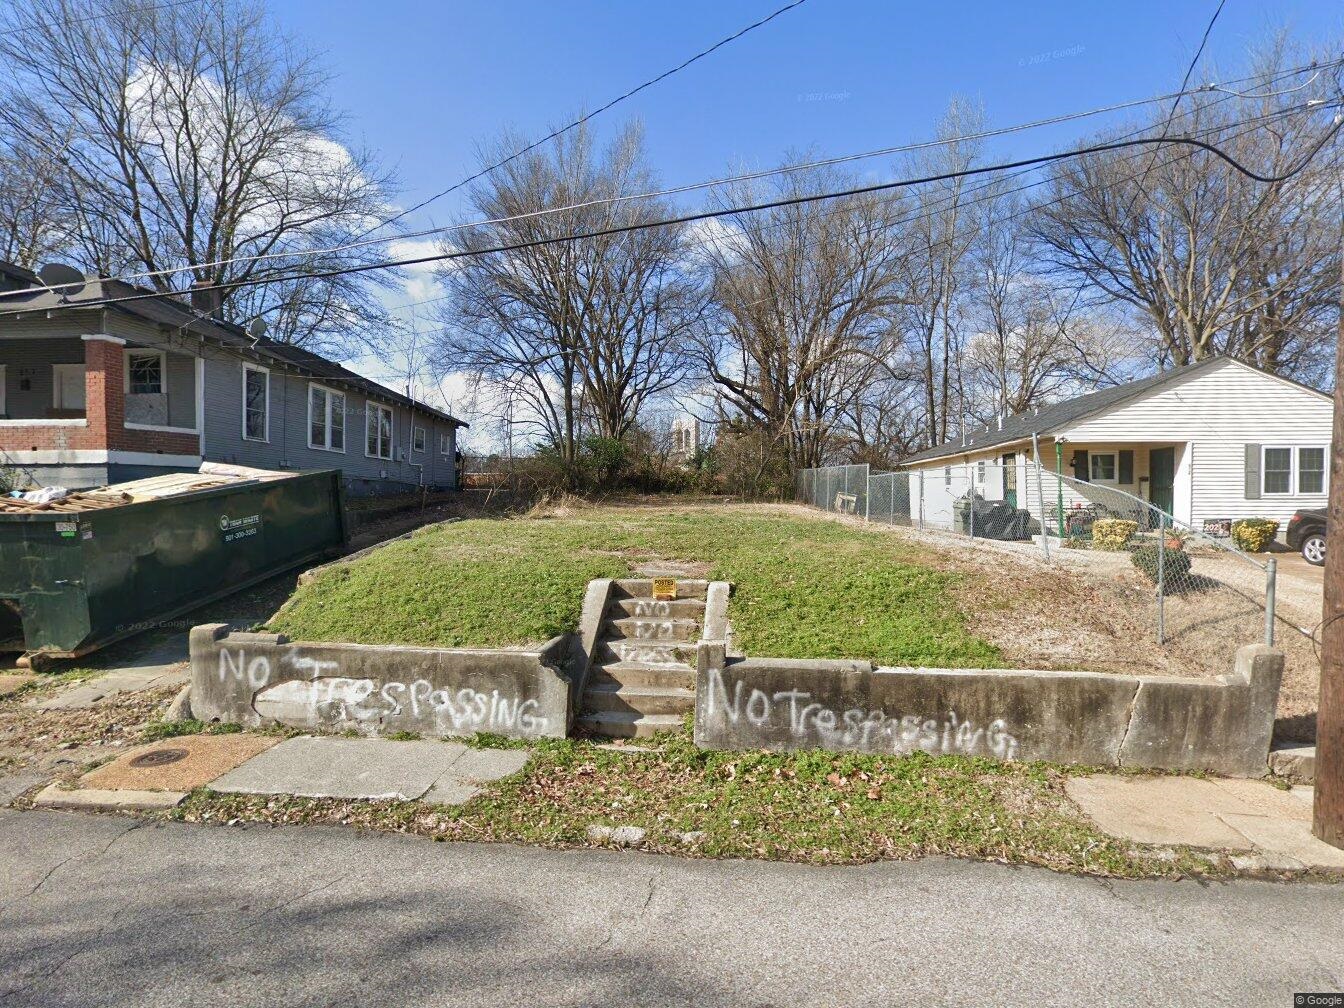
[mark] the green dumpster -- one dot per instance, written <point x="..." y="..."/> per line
<point x="73" y="582"/>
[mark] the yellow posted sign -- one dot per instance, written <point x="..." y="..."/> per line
<point x="664" y="588"/>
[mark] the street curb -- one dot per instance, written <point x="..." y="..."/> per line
<point x="53" y="796"/>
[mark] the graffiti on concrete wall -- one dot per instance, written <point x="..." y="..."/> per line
<point x="795" y="711"/>
<point x="321" y="696"/>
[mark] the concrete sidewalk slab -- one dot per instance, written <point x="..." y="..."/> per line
<point x="320" y="767"/>
<point x="53" y="796"/>
<point x="92" y="692"/>
<point x="485" y="765"/>
<point x="177" y="764"/>
<point x="1233" y="814"/>
<point x="1156" y="810"/>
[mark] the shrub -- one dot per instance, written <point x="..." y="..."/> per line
<point x="1174" y="568"/>
<point x="1254" y="534"/>
<point x="1112" y="534"/>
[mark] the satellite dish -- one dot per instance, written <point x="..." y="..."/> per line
<point x="67" y="278"/>
<point x="257" y="329"/>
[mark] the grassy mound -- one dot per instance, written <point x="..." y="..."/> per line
<point x="804" y="587"/>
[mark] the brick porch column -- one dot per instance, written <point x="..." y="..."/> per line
<point x="104" y="387"/>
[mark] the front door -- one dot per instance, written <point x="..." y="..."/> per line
<point x="1162" y="478"/>
<point x="1009" y="479"/>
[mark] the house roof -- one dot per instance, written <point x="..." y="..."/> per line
<point x="15" y="275"/>
<point x="169" y="311"/>
<point x="1062" y="415"/>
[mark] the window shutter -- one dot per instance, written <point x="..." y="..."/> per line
<point x="1125" y="466"/>
<point x="1252" y="471"/>
<point x="1080" y="471"/>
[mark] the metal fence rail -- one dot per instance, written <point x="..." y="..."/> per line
<point x="1197" y="577"/>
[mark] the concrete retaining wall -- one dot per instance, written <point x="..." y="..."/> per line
<point x="264" y="679"/>
<point x="1221" y="725"/>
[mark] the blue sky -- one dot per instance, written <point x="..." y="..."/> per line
<point x="424" y="83"/>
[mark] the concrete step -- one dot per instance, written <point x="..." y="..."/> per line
<point x="614" y="724"/>
<point x="653" y="609"/>
<point x="640" y="675"/>
<point x="641" y="628"/>
<point x="678" y="653"/>
<point x="607" y="696"/>
<point x="642" y="588"/>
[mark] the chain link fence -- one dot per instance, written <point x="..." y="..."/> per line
<point x="1201" y="583"/>
<point x="837" y="489"/>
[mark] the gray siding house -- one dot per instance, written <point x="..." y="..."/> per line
<point x="91" y="395"/>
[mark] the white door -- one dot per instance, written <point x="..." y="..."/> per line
<point x="68" y="386"/>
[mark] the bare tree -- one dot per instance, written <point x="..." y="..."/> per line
<point x="941" y="234"/>
<point x="1212" y="261"/>
<point x="805" y="295"/>
<point x="192" y="134"/>
<point x="33" y="222"/>
<point x="577" y="330"/>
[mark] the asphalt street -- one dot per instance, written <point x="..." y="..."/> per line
<point x="102" y="910"/>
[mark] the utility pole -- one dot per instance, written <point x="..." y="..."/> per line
<point x="1328" y="816"/>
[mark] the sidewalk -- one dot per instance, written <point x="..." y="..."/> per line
<point x="159" y="775"/>
<point x="1264" y="827"/>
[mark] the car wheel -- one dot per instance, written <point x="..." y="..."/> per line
<point x="1313" y="549"/>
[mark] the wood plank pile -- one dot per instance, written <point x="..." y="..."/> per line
<point x="89" y="500"/>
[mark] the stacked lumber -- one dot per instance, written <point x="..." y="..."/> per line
<point x="89" y="500"/>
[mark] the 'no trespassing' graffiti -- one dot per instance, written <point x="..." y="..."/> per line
<point x="855" y="728"/>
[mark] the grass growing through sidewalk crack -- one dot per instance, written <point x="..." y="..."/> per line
<point x="812" y="806"/>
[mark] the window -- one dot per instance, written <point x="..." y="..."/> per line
<point x="1310" y="470"/>
<point x="980" y="471"/>
<point x="326" y="419"/>
<point x="1102" y="467"/>
<point x="445" y="442"/>
<point x="256" y="403"/>
<point x="378" y="431"/>
<point x="67" y="386"/>
<point x="144" y="372"/>
<point x="1290" y="469"/>
<point x="1278" y="470"/>
<point x="418" y="439"/>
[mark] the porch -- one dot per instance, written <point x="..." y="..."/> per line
<point x="78" y="400"/>
<point x="1078" y="483"/>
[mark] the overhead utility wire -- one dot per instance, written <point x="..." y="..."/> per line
<point x="930" y="209"/>
<point x="690" y="187"/>
<point x="584" y="118"/>
<point x="728" y="211"/>
<point x="1189" y="72"/>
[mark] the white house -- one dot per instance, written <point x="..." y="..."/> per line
<point x="1206" y="443"/>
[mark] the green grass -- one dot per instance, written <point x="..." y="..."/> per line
<point x="803" y="587"/>
<point x="157" y="730"/>
<point x="812" y="806"/>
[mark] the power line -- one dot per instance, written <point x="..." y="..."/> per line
<point x="690" y="187"/>
<point x="928" y="211"/>
<point x="584" y="118"/>
<point x="769" y="205"/>
<point x="1189" y="71"/>
<point x="95" y="17"/>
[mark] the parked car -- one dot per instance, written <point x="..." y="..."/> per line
<point x="1306" y="533"/>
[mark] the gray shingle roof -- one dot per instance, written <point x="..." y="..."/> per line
<point x="1060" y="415"/>
<point x="169" y="311"/>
